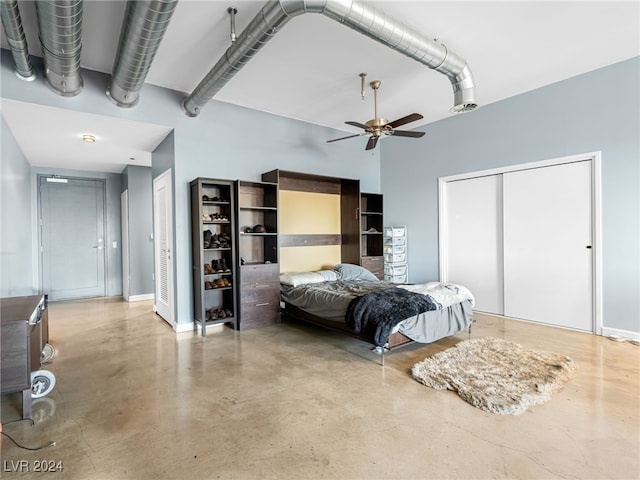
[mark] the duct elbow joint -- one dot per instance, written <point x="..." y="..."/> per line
<point x="464" y="91"/>
<point x="121" y="97"/>
<point x="189" y="108"/>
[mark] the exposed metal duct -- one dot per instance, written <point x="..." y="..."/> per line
<point x="60" y="25"/>
<point x="12" y="23"/>
<point x="359" y="16"/>
<point x="143" y="27"/>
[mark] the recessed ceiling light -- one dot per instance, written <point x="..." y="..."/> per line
<point x="87" y="137"/>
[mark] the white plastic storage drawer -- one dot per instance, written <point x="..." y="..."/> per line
<point x="395" y="257"/>
<point x="395" y="249"/>
<point x="396" y="278"/>
<point x="395" y="270"/>
<point x="395" y="231"/>
<point x="395" y="241"/>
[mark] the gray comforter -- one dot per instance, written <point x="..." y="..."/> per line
<point x="448" y="306"/>
<point x="329" y="300"/>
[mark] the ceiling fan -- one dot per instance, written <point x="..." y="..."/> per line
<point x="378" y="127"/>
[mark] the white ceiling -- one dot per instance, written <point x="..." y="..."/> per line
<point x="309" y="70"/>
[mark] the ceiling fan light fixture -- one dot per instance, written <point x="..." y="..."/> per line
<point x="379" y="127"/>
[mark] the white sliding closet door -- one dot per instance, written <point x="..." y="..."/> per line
<point x="547" y="245"/>
<point x="473" y="239"/>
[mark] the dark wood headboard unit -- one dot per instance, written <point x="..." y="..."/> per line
<point x="349" y="191"/>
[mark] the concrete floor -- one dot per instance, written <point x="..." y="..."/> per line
<point x="135" y="400"/>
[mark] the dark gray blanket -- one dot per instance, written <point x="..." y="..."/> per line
<point x="375" y="314"/>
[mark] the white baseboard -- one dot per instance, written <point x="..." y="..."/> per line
<point x="176" y="327"/>
<point x="183" y="327"/>
<point x="139" y="298"/>
<point x="629" y="335"/>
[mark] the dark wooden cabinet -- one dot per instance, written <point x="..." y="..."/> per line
<point x="349" y="192"/>
<point x="361" y="218"/>
<point x="23" y="333"/>
<point x="371" y="233"/>
<point x="259" y="295"/>
<point x="213" y="249"/>
<point x="257" y="245"/>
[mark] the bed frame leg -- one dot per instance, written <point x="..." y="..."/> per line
<point x="380" y="350"/>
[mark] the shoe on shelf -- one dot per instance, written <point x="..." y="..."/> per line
<point x="215" y="241"/>
<point x="207" y="269"/>
<point x="223" y="266"/>
<point x="219" y="283"/>
<point x="214" y="266"/>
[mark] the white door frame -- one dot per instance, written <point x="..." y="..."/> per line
<point x="124" y="218"/>
<point x="164" y="308"/>
<point x="596" y="186"/>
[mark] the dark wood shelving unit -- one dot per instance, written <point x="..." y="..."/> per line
<point x="371" y="233"/>
<point x="213" y="246"/>
<point x="258" y="295"/>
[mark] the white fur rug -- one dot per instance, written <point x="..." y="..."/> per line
<point x="496" y="375"/>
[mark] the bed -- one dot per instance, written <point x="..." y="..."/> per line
<point x="351" y="299"/>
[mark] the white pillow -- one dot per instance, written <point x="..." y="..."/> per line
<point x="328" y="275"/>
<point x="348" y="271"/>
<point x="296" y="279"/>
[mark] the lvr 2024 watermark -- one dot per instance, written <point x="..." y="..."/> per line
<point x="27" y="466"/>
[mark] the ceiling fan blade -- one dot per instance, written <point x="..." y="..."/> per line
<point x="356" y="124"/>
<point x="371" y="144"/>
<point x="344" y="138"/>
<point x="407" y="133"/>
<point x="412" y="117"/>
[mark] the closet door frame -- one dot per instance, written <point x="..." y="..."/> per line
<point x="595" y="159"/>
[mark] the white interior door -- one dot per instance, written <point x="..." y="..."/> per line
<point x="548" y="264"/>
<point x="124" y="216"/>
<point x="473" y="239"/>
<point x="163" y="245"/>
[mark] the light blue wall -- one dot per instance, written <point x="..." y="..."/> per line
<point x="225" y="141"/>
<point x="138" y="183"/>
<point x="16" y="265"/>
<point x="597" y="111"/>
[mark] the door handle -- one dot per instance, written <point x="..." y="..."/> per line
<point x="588" y="246"/>
<point x="99" y="247"/>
